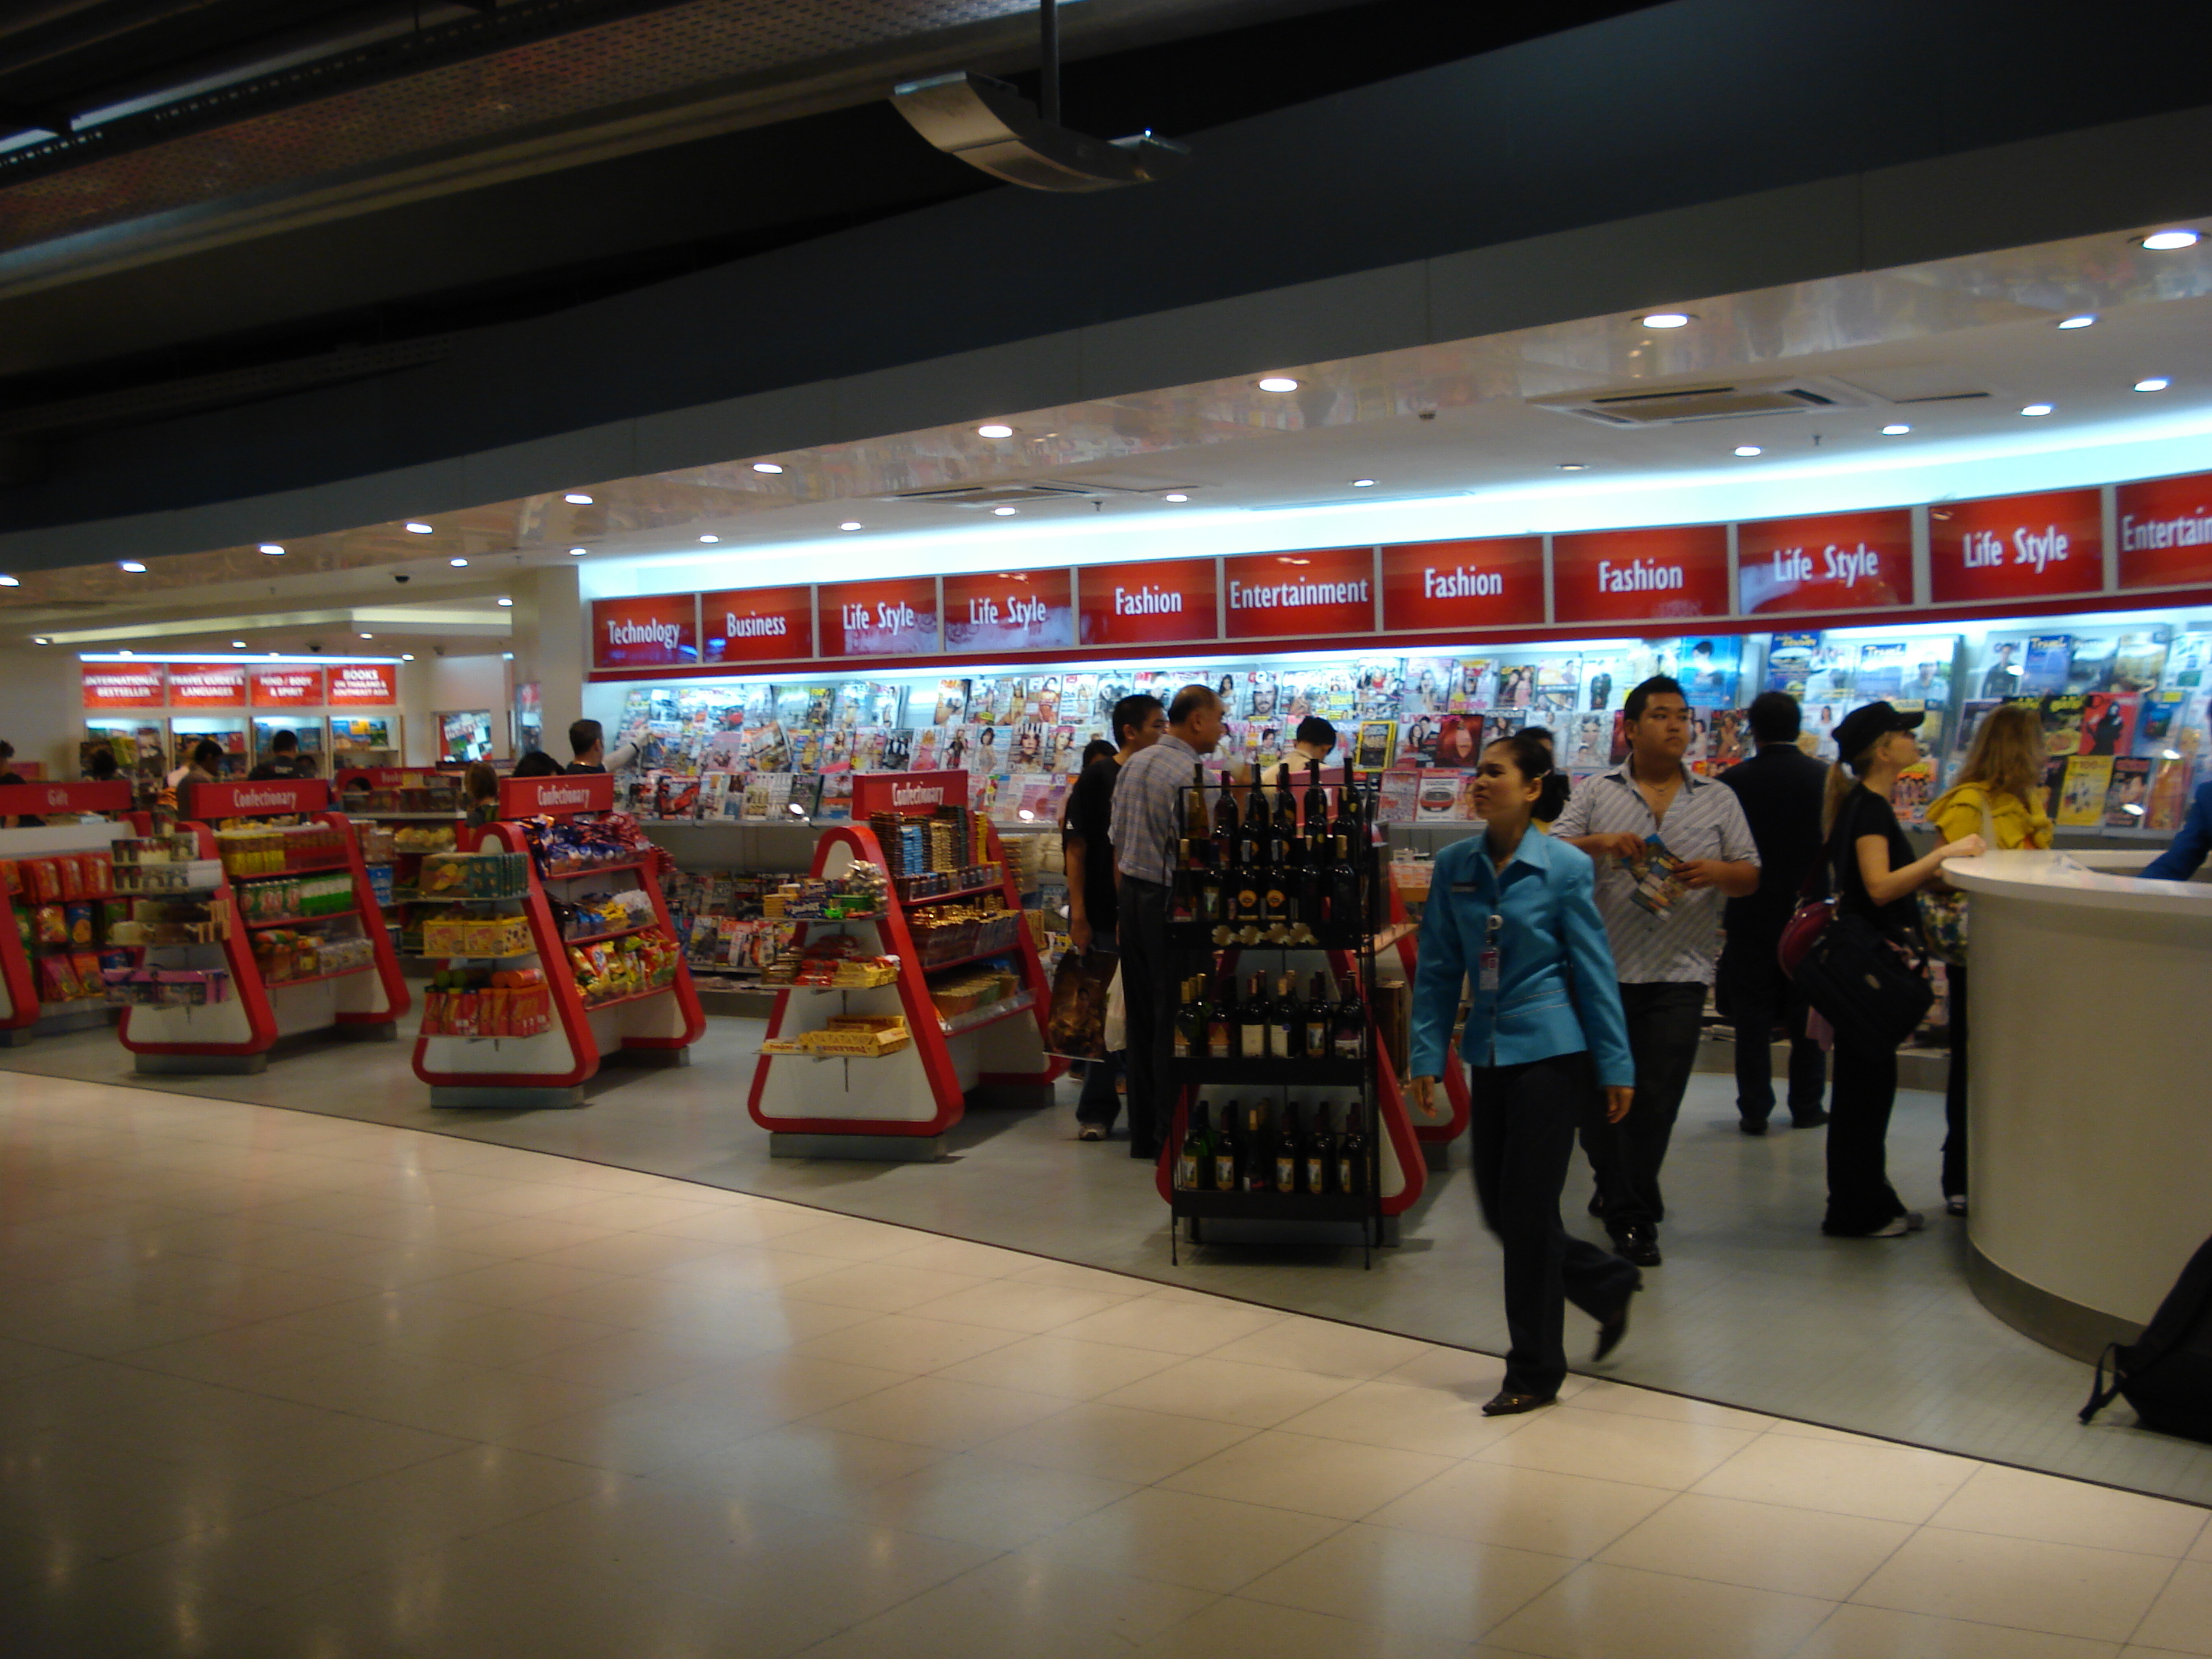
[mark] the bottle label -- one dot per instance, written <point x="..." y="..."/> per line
<point x="1209" y="902"/>
<point x="1225" y="1172"/>
<point x="1347" y="1177"/>
<point x="1316" y="1175"/>
<point x="1256" y="1043"/>
<point x="1186" y="1168"/>
<point x="1286" y="1174"/>
<point x="1217" y="1040"/>
<point x="1281" y="1037"/>
<point x="1316" y="1036"/>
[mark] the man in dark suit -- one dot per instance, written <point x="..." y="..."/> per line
<point x="1780" y="788"/>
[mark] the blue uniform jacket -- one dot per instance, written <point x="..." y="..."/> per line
<point x="2187" y="849"/>
<point x="1556" y="993"/>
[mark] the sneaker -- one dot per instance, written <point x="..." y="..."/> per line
<point x="1091" y="1132"/>
<point x="1897" y="1226"/>
<point x="1955" y="1205"/>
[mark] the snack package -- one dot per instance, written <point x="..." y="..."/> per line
<point x="43" y="881"/>
<point x="50" y="925"/>
<point x="69" y="879"/>
<point x="78" y="918"/>
<point x="84" y="968"/>
<point x="57" y="982"/>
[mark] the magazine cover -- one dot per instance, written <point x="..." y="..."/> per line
<point x="1030" y="752"/>
<point x="1603" y="684"/>
<point x="1928" y="672"/>
<point x="806" y="750"/>
<point x="1400" y="794"/>
<point x="1916" y="787"/>
<point x="1586" y="742"/>
<point x="1379" y="686"/>
<point x="1731" y="739"/>
<point x="766" y="797"/>
<point x="714" y="795"/>
<point x="768" y="748"/>
<point x="929" y="745"/>
<point x="2108" y="722"/>
<point x="1617" y="751"/>
<point x="1417" y="745"/>
<point x="1970" y="715"/>
<point x="951" y="703"/>
<point x="1375" y="745"/>
<point x="2048" y="662"/>
<point x="837" y="800"/>
<point x="990" y="702"/>
<point x="679" y="798"/>
<point x="1458" y="742"/>
<point x="2129" y="799"/>
<point x="805" y="799"/>
<point x="898" y="752"/>
<point x="1789" y="662"/>
<point x="805" y="705"/>
<point x="1444" y="797"/>
<point x="1259" y="692"/>
<point x="1880" y="671"/>
<point x="1431" y="683"/>
<point x="1041" y="698"/>
<point x="1477" y="686"/>
<point x="2173" y="783"/>
<point x="1516" y="686"/>
<point x="1558" y="685"/>
<point x="1710" y="669"/>
<point x="2062" y="724"/>
<point x="2082" y="789"/>
<point x="1831" y="672"/>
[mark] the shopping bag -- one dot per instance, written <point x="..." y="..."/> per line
<point x="1117" y="1015"/>
<point x="1080" y="985"/>
<point x="1872" y="989"/>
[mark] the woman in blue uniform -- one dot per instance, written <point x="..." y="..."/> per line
<point x="1511" y="913"/>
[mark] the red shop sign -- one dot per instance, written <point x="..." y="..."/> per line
<point x="207" y="685"/>
<point x="364" y="684"/>
<point x="1841" y="561"/>
<point x="1494" y="583"/>
<point x="231" y="800"/>
<point x="1629" y="575"/>
<point x="1286" y="596"/>
<point x="756" y="624"/>
<point x="532" y="798"/>
<point x="288" y="688"/>
<point x="2016" y="547"/>
<point x="916" y="794"/>
<point x="1148" y="603"/>
<point x="1011" y="611"/>
<point x="123" y="684"/>
<point x="661" y="630"/>
<point x="47" y="799"/>
<point x="2165" y="531"/>
<point x="894" y="617"/>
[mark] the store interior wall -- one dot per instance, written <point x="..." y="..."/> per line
<point x="430" y="685"/>
<point x="550" y="646"/>
<point x="41" y="711"/>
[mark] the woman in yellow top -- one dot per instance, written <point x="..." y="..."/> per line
<point x="2000" y="787"/>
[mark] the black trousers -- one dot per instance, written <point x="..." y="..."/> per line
<point x="1148" y="968"/>
<point x="1859" y="1197"/>
<point x="1521" y="1136"/>
<point x="1664" y="1017"/>
<point x="1954" y="1091"/>
<point x="1760" y="997"/>
<point x="1101" y="1100"/>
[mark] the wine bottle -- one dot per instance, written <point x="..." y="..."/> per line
<point x="1193" y="1019"/>
<point x="1259" y="828"/>
<point x="1318" y="1020"/>
<point x="1259" y="1152"/>
<point x="1316" y="805"/>
<point x="1221" y="1022"/>
<point x="1207" y="894"/>
<point x="1349" y="1039"/>
<point x="1252" y="1021"/>
<point x="1343" y="889"/>
<point x="1248" y="903"/>
<point x="1182" y="897"/>
<point x="1283" y="1025"/>
<point x="1321" y="1153"/>
<point x="1274" y="895"/>
<point x="1197" y="1151"/>
<point x="1228" y="1149"/>
<point x="1286" y="814"/>
<point x="1227" y="849"/>
<point x="1196" y="826"/>
<point x="1290" y="1150"/>
<point x="1352" y="1155"/>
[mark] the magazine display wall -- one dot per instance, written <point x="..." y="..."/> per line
<point x="557" y="952"/>
<point x="875" y="1044"/>
<point x="272" y="931"/>
<point x="55" y="920"/>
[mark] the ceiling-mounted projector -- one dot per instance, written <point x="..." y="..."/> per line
<point x="992" y="127"/>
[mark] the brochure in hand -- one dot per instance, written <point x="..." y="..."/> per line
<point x="1659" y="884"/>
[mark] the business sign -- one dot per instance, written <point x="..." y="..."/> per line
<point x="2016" y="547"/>
<point x="207" y="685"/>
<point x="1841" y="561"/>
<point x="913" y="794"/>
<point x="287" y="688"/>
<point x="660" y="630"/>
<point x="364" y="684"/>
<point x="894" y="617"/>
<point x="532" y="798"/>
<point x="756" y="624"/>
<point x="2165" y="531"/>
<point x="1287" y="596"/>
<point x="1664" y="574"/>
<point x="46" y="800"/>
<point x="1010" y="610"/>
<point x="1494" y="583"/>
<point x="273" y="795"/>
<point x="1147" y="603"/>
<point x="125" y="685"/>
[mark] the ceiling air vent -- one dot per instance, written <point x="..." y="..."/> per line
<point x="1721" y="400"/>
<point x="1008" y="492"/>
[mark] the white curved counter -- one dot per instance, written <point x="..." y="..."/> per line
<point x="2089" y="1089"/>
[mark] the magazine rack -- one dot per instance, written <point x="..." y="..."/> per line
<point x="897" y="1106"/>
<point x="22" y="1015"/>
<point x="236" y="1035"/>
<point x="657" y="1025"/>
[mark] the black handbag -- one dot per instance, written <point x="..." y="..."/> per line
<point x="1871" y="986"/>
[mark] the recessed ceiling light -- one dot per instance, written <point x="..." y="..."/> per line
<point x="369" y="637"/>
<point x="40" y="639"/>
<point x="577" y="498"/>
<point x="1669" y="319"/>
<point x="2155" y="383"/>
<point x="576" y="552"/>
<point x="2165" y="241"/>
<point x="766" y="466"/>
<point x="506" y="656"/>
<point x="421" y="530"/>
<point x="2036" y="409"/>
<point x="994" y="430"/>
<point x="710" y="538"/>
<point x="134" y="566"/>
<point x="123" y="654"/>
<point x="458" y="563"/>
<point x="1175" y="496"/>
<point x="2082" y="321"/>
<point x="1279" y="383"/>
<point x="1895" y="429"/>
<point x="1363" y="483"/>
<point x="850" y="523"/>
<point x="238" y="645"/>
<point x="10" y="581"/>
<point x="1574" y="466"/>
<point x="274" y="549"/>
<point x="273" y="655"/>
<point x="407" y="656"/>
<point x="1749" y="449"/>
<point x="505" y="602"/>
<point x="1002" y="512"/>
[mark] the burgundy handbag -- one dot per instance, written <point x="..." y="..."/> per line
<point x="1806" y="924"/>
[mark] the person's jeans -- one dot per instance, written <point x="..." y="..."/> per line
<point x="1521" y="1136"/>
<point x="1148" y="969"/>
<point x="1954" y="1091"/>
<point x="1760" y="997"/>
<point x="1859" y="1197"/>
<point x="1664" y="1018"/>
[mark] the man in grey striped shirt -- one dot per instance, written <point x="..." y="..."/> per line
<point x="1669" y="846"/>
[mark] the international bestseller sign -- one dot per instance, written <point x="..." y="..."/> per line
<point x="125" y="685"/>
<point x="1494" y="583"/>
<point x="2016" y="547"/>
<point x="1149" y="603"/>
<point x="1668" y="573"/>
<point x="1842" y="561"/>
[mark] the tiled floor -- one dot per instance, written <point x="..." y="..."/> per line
<point x="1753" y="1307"/>
<point x="273" y="1383"/>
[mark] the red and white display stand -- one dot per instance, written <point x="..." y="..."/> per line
<point x="236" y="1035"/>
<point x="896" y="1106"/>
<point x="21" y="1013"/>
<point x="657" y="1025"/>
<point x="1404" y="939"/>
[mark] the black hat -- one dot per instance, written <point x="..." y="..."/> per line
<point x="1862" y="728"/>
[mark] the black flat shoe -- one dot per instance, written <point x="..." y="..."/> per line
<point x="1638" y="1244"/>
<point x="1507" y="1402"/>
<point x="1812" y="1120"/>
<point x="1751" y="1126"/>
<point x="1610" y="1330"/>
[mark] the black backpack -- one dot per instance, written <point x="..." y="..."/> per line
<point x="2167" y="1376"/>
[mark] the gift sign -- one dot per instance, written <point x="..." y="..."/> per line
<point x="1491" y="583"/>
<point x="1010" y="610"/>
<point x="2165" y="531"/>
<point x="287" y="688"/>
<point x="46" y="800"/>
<point x="756" y="624"/>
<point x="913" y="794"/>
<point x="895" y="618"/>
<point x="1286" y="596"/>
<point x="660" y="630"/>
<point x="2016" y="547"/>
<point x="1147" y="603"/>
<point x="1634" y="575"/>
<point x="534" y="798"/>
<point x="273" y="795"/>
<point x="125" y="685"/>
<point x="358" y="683"/>
<point x="1845" y="562"/>
<point x="207" y="685"/>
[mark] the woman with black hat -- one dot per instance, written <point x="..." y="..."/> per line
<point x="1876" y="877"/>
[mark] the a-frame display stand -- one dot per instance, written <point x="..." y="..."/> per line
<point x="897" y="1106"/>
<point x="1403" y="936"/>
<point x="656" y="1024"/>
<point x="236" y="1036"/>
<point x="22" y="1015"/>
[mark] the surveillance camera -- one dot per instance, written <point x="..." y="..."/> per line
<point x="438" y="650"/>
<point x="315" y="645"/>
<point x="1426" y="415"/>
<point x="403" y="576"/>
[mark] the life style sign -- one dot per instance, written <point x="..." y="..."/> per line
<point x="893" y="617"/>
<point x="2016" y="547"/>
<point x="1840" y="561"/>
<point x="1010" y="610"/>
